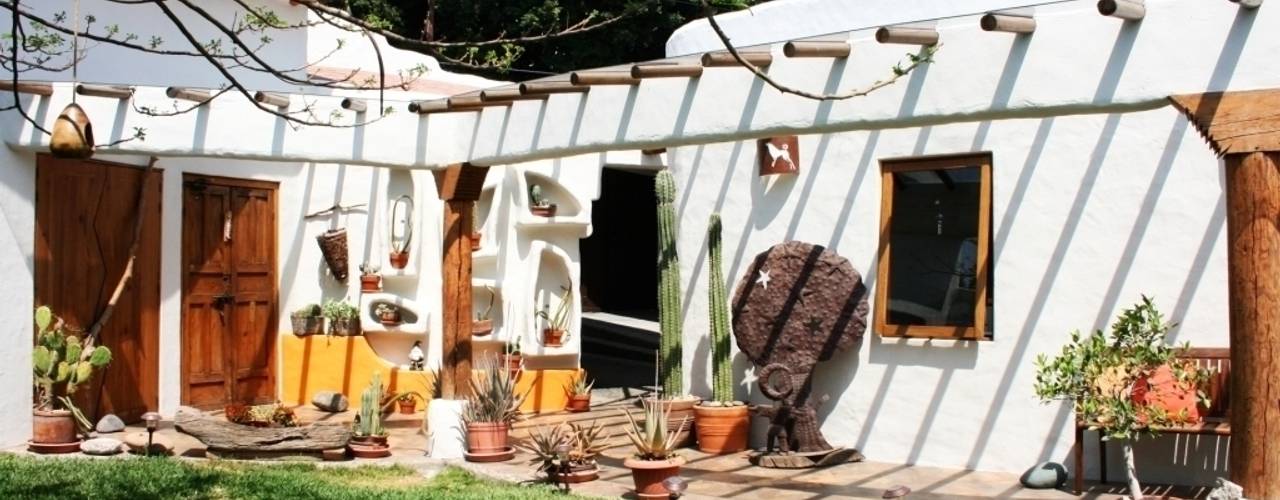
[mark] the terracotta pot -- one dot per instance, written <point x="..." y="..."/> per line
<point x="547" y="211"/>
<point x="1162" y="389"/>
<point x="722" y="429"/>
<point x="579" y="474"/>
<point x="399" y="259"/>
<point x="307" y="325"/>
<point x="390" y="318"/>
<point x="369" y="451"/>
<point x="481" y="327"/>
<point x="53" y="427"/>
<point x="676" y="405"/>
<point x="408" y="407"/>
<point x="579" y="403"/>
<point x="369" y="440"/>
<point x="649" y="474"/>
<point x="514" y="362"/>
<point x="370" y="283"/>
<point x="486" y="437"/>
<point x="552" y="337"/>
<point x="475" y="240"/>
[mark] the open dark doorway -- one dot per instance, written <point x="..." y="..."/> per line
<point x="619" y="282"/>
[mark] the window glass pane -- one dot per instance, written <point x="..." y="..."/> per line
<point x="933" y="231"/>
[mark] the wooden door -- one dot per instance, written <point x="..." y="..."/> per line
<point x="229" y="291"/>
<point x="85" y="217"/>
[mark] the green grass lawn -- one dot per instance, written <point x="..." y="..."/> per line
<point x="74" y="478"/>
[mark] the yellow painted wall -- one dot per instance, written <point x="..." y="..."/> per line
<point x="346" y="364"/>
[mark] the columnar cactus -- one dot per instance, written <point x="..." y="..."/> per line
<point x="370" y="423"/>
<point x="670" y="352"/>
<point x="718" y="303"/>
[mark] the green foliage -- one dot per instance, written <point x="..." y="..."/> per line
<point x="493" y="397"/>
<point x="335" y="309"/>
<point x="718" y="303"/>
<point x="308" y="311"/>
<point x="671" y="356"/>
<point x="584" y="444"/>
<point x="61" y="363"/>
<point x="535" y="197"/>
<point x="559" y="320"/>
<point x="581" y="385"/>
<point x="1098" y="372"/>
<point x="651" y="438"/>
<point x="32" y="478"/>
<point x="369" y="420"/>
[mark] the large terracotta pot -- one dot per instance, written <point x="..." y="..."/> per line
<point x="579" y="403"/>
<point x="486" y="437"/>
<point x="649" y="474"/>
<point x="1162" y="389"/>
<point x="722" y="429"/>
<point x="53" y="427"/>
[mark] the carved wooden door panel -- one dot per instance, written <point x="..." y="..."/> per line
<point x="229" y="298"/>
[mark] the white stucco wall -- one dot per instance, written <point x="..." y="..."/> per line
<point x="17" y="261"/>
<point x="1089" y="212"/>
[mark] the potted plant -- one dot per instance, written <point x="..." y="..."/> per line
<point x="307" y="320"/>
<point x="492" y="407"/>
<point x="475" y="232"/>
<point x="483" y="325"/>
<point x="344" y="318"/>
<point x="370" y="280"/>
<point x="566" y="453"/>
<point x="369" y="438"/>
<point x="557" y="330"/>
<point x="655" y="459"/>
<point x="723" y="423"/>
<point x="580" y="393"/>
<point x="388" y="314"/>
<point x="401" y="231"/>
<point x="60" y="363"/>
<point x="408" y="402"/>
<point x="512" y="356"/>
<point x="1117" y="381"/>
<point x="539" y="205"/>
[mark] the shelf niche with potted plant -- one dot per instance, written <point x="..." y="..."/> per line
<point x="554" y="285"/>
<point x="486" y="309"/>
<point x="401" y="224"/>
<point x="389" y="313"/>
<point x="543" y="202"/>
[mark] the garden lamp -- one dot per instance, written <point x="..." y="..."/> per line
<point x="152" y="420"/>
<point x="562" y="454"/>
<point x="675" y="485"/>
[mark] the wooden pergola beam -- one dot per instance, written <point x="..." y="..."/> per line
<point x="907" y="36"/>
<point x="108" y="91"/>
<point x="353" y="104"/>
<point x="459" y="186"/>
<point x="187" y="94"/>
<point x="818" y="48"/>
<point x="35" y="88"/>
<point x="1248" y="4"/>
<point x="272" y="99"/>
<point x="602" y="78"/>
<point x="722" y="59"/>
<point x="674" y="70"/>
<point x="512" y="94"/>
<point x="555" y="87"/>
<point x="1245" y="127"/>
<point x="1007" y="24"/>
<point x="1122" y="9"/>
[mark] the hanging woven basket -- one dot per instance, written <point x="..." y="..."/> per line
<point x="333" y="244"/>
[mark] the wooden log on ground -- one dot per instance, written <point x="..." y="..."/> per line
<point x="220" y="435"/>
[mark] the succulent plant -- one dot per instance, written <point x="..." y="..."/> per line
<point x="652" y="439"/>
<point x="61" y="362"/>
<point x="369" y="420"/>
<point x="559" y="320"/>
<point x="670" y="350"/>
<point x="535" y="197"/>
<point x="580" y="385"/>
<point x="493" y="396"/>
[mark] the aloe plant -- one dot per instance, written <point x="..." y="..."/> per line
<point x="581" y="386"/>
<point x="652" y="439"/>
<point x="559" y="320"/>
<point x="493" y="397"/>
<point x="61" y="362"/>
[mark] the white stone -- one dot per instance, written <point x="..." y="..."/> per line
<point x="108" y="424"/>
<point x="446" y="433"/>
<point x="102" y="446"/>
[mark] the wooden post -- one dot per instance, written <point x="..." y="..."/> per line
<point x="459" y="186"/>
<point x="1253" y="275"/>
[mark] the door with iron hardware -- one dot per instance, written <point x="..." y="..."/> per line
<point x="229" y="291"/>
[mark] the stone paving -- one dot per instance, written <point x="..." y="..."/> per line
<point x="728" y="476"/>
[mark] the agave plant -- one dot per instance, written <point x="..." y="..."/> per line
<point x="61" y="362"/>
<point x="652" y="439"/>
<point x="584" y="444"/>
<point x="493" y="396"/>
<point x="587" y="442"/>
<point x="581" y="386"/>
<point x="544" y="443"/>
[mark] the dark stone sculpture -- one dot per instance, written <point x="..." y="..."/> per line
<point x="798" y="304"/>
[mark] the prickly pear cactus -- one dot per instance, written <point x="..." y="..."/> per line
<point x="670" y="352"/>
<point x="60" y="363"/>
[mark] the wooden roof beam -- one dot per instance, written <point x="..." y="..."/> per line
<point x="760" y="58"/>
<point x="512" y="94"/>
<point x="665" y="70"/>
<point x="272" y="99"/>
<point x="907" y="36"/>
<point x="1123" y="9"/>
<point x="1008" y="23"/>
<point x="453" y="105"/>
<point x="187" y="94"/>
<point x="602" y="78"/>
<point x="36" y="88"/>
<point x="1248" y="4"/>
<point x="108" y="91"/>
<point x="353" y="104"/>
<point x="817" y="48"/>
<point x="552" y="87"/>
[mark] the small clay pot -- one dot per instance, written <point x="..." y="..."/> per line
<point x="390" y="318"/>
<point x="583" y="474"/>
<point x="53" y="427"/>
<point x="481" y="327"/>
<point x="486" y="437"/>
<point x="514" y="362"/>
<point x="399" y="260"/>
<point x="369" y="451"/>
<point x="475" y="240"/>
<point x="552" y="337"/>
<point x="407" y="407"/>
<point x="547" y="211"/>
<point x="579" y="403"/>
<point x="370" y="283"/>
<point x="722" y="429"/>
<point x="649" y="475"/>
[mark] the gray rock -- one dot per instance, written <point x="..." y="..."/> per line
<point x="137" y="443"/>
<point x="1226" y="490"/>
<point x="109" y="424"/>
<point x="330" y="401"/>
<point x="102" y="446"/>
<point x="1045" y="476"/>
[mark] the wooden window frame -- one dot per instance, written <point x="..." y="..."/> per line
<point x="887" y="168"/>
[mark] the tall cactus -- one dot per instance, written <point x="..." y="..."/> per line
<point x="718" y="303"/>
<point x="370" y="423"/>
<point x="670" y="352"/>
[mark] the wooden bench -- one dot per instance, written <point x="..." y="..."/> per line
<point x="1216" y="419"/>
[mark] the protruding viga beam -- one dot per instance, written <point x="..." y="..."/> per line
<point x="907" y="36"/>
<point x="759" y="58"/>
<point x="108" y="91"/>
<point x="820" y="48"/>
<point x="512" y="94"/>
<point x="1007" y="24"/>
<point x="552" y="87"/>
<point x="602" y="78"/>
<point x="665" y="70"/>
<point x="1123" y="9"/>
